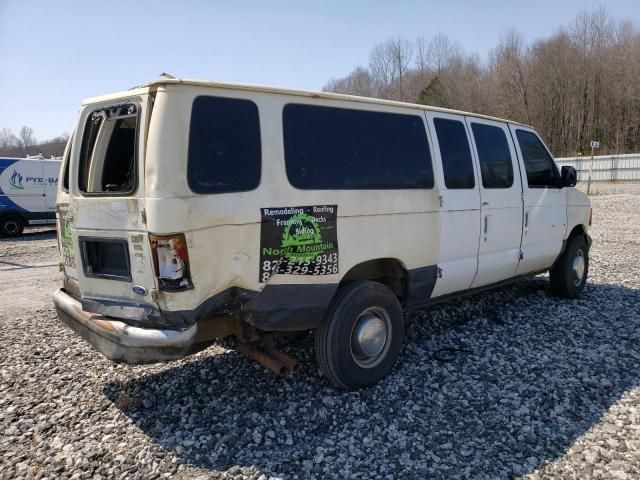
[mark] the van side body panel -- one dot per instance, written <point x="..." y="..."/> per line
<point x="223" y="230"/>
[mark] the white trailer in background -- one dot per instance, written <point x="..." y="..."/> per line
<point x="28" y="188"/>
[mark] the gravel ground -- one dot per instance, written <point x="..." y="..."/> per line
<point x="534" y="386"/>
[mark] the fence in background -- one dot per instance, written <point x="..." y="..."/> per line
<point x="606" y="168"/>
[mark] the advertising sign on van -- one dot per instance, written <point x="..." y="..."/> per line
<point x="298" y="241"/>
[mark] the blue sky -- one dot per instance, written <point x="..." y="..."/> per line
<point x="55" y="53"/>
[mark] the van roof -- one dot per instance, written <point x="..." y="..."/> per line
<point x="32" y="159"/>
<point x="296" y="93"/>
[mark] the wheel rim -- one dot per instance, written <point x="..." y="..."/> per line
<point x="578" y="265"/>
<point x="11" y="227"/>
<point x="371" y="337"/>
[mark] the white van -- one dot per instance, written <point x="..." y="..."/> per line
<point x="28" y="188"/>
<point x="191" y="211"/>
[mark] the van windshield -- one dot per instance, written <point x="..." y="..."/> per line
<point x="108" y="156"/>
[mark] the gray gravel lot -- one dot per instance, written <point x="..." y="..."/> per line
<point x="536" y="386"/>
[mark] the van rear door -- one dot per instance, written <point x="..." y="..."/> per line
<point x="106" y="202"/>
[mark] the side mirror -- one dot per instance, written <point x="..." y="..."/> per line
<point x="568" y="177"/>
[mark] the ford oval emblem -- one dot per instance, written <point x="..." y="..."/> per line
<point x="138" y="290"/>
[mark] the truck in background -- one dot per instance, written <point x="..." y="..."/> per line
<point x="28" y="188"/>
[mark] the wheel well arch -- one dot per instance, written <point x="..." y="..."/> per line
<point x="391" y="272"/>
<point x="578" y="230"/>
<point x="13" y="213"/>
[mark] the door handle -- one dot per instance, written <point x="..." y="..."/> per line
<point x="526" y="219"/>
<point x="484" y="204"/>
<point x="486" y="224"/>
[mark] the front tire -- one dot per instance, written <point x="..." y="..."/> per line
<point x="361" y="336"/>
<point x="569" y="274"/>
<point x="11" y="226"/>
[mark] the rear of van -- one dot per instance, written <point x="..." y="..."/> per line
<point x="135" y="224"/>
<point x="111" y="275"/>
<point x="139" y="211"/>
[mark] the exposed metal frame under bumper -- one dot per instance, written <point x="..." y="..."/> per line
<point x="120" y="342"/>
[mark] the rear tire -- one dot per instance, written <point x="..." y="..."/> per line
<point x="11" y="226"/>
<point x="569" y="274"/>
<point x="361" y="336"/>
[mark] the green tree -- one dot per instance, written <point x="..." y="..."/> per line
<point x="434" y="94"/>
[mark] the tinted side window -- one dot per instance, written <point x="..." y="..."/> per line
<point x="330" y="148"/>
<point x="455" y="152"/>
<point x="494" y="156"/>
<point x="224" y="145"/>
<point x="541" y="169"/>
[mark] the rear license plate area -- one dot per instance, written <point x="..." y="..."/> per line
<point x="105" y="258"/>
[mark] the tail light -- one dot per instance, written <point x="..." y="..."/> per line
<point x="171" y="262"/>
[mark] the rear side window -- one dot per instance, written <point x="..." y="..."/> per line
<point x="224" y="145"/>
<point x="541" y="169"/>
<point x="457" y="165"/>
<point x="108" y="154"/>
<point x="330" y="148"/>
<point x="65" y="171"/>
<point x="494" y="156"/>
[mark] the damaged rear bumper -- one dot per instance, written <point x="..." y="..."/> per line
<point x="120" y="342"/>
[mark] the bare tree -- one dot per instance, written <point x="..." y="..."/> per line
<point x="358" y="82"/>
<point x="509" y="59"/>
<point x="26" y="137"/>
<point x="581" y="83"/>
<point x="361" y="82"/>
<point x="422" y="58"/>
<point x="8" y="139"/>
<point x="381" y="68"/>
<point x="401" y="53"/>
<point x="11" y="145"/>
<point x="439" y="52"/>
